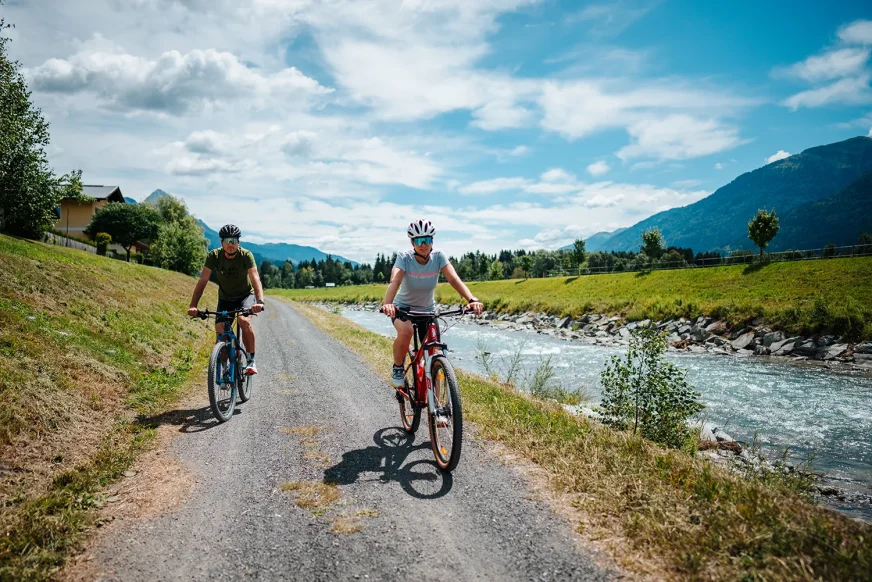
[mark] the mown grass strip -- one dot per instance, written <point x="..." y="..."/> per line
<point x="800" y="297"/>
<point x="696" y="520"/>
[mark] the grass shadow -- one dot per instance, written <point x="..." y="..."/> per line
<point x="569" y="280"/>
<point x="644" y="273"/>
<point x="421" y="479"/>
<point x="754" y="267"/>
<point x="519" y="281"/>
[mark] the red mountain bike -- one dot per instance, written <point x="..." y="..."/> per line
<point x="430" y="383"/>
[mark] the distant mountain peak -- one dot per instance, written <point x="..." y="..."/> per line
<point x="155" y="196"/>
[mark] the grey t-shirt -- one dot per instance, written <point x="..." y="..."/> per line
<point x="417" y="290"/>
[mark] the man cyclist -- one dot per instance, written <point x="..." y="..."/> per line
<point x="238" y="286"/>
<point x="413" y="285"/>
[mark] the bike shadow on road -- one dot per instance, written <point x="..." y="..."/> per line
<point x="420" y="478"/>
<point x="191" y="420"/>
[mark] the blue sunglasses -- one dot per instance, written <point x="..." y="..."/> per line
<point x="423" y="240"/>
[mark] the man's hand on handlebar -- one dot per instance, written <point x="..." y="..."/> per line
<point x="257" y="308"/>
<point x="193" y="311"/>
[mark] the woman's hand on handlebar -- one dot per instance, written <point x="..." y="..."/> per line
<point x="389" y="309"/>
<point x="476" y="307"/>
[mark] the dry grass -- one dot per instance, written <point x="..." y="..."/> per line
<point x="346" y="525"/>
<point x="307" y="430"/>
<point x="86" y="344"/>
<point x="312" y="494"/>
<point x="698" y="521"/>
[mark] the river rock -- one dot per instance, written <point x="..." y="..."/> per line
<point x="695" y="349"/>
<point x="864" y="348"/>
<point x="563" y="323"/>
<point x="761" y="351"/>
<point x="718" y="327"/>
<point x="808" y="348"/>
<point x="684" y="329"/>
<point x="834" y="351"/>
<point x="772" y="337"/>
<point x="721" y="436"/>
<point x="743" y="341"/>
<point x="784" y="347"/>
<point x="865" y="359"/>
<point x="624" y="332"/>
<point x="645" y="323"/>
<point x="699" y="334"/>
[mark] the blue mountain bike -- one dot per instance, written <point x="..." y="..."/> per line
<point x="227" y="378"/>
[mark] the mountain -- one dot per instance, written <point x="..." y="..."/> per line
<point x="273" y="252"/>
<point x="837" y="219"/>
<point x="720" y="221"/>
<point x="595" y="242"/>
<point x="154" y="197"/>
<point x="129" y="200"/>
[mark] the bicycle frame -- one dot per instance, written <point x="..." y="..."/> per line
<point x="228" y="336"/>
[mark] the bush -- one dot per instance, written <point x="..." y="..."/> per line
<point x="829" y="251"/>
<point x="103" y="240"/>
<point x="648" y="394"/>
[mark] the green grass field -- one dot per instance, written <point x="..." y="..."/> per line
<point x="803" y="297"/>
<point x="663" y="514"/>
<point x="91" y="349"/>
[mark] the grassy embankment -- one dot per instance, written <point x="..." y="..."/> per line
<point x="660" y="512"/>
<point x="90" y="349"/>
<point x="802" y="297"/>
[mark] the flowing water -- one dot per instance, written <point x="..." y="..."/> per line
<point x="807" y="410"/>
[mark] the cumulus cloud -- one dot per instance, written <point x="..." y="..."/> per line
<point x="858" y="32"/>
<point x="679" y="137"/>
<point x="598" y="168"/>
<point x="495" y="185"/>
<point x="779" y="155"/>
<point x="719" y="166"/>
<point x="521" y="150"/>
<point x="174" y="83"/>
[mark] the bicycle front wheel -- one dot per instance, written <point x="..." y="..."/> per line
<point x="446" y="426"/>
<point x="410" y="415"/>
<point x="222" y="385"/>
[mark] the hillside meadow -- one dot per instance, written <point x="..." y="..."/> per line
<point x="804" y="297"/>
<point x="93" y="351"/>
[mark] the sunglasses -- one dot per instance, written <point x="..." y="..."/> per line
<point x="422" y="240"/>
<point x="230" y="241"/>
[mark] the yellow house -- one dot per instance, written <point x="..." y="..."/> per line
<point x="75" y="216"/>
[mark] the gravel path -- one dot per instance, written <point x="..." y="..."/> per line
<point x="478" y="523"/>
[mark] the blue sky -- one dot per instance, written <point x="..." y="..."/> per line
<point x="508" y="123"/>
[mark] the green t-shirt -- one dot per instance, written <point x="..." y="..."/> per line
<point x="232" y="273"/>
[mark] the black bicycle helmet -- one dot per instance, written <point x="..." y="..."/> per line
<point x="230" y="231"/>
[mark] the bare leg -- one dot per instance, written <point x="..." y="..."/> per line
<point x="247" y="333"/>
<point x="401" y="344"/>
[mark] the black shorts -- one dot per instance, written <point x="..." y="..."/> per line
<point x="231" y="304"/>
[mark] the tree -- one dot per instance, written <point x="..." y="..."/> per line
<point x="103" y="240"/>
<point x="127" y="224"/>
<point x="179" y="244"/>
<point x="29" y="190"/>
<point x="578" y="252"/>
<point x="495" y="272"/>
<point x="863" y="240"/>
<point x="526" y="264"/>
<point x="652" y="243"/>
<point x="763" y="228"/>
<point x="648" y="394"/>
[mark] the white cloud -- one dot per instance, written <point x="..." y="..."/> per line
<point x="870" y="132"/>
<point x="831" y="65"/>
<point x="521" y="150"/>
<point x="858" y="32"/>
<point x="779" y="155"/>
<point x="686" y="183"/>
<point x="174" y="83"/>
<point x="719" y="166"/>
<point x="495" y="185"/>
<point x="679" y="137"/>
<point x="848" y="91"/>
<point x="598" y="168"/>
<point x="557" y="175"/>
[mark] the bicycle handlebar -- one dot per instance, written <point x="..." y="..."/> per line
<point x="205" y="313"/>
<point x="404" y="314"/>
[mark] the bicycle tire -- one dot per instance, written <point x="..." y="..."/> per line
<point x="222" y="407"/>
<point x="244" y="380"/>
<point x="447" y="395"/>
<point x="410" y="415"/>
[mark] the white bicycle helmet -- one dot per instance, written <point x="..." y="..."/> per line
<point x="421" y="228"/>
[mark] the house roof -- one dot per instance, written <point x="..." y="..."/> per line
<point x="99" y="192"/>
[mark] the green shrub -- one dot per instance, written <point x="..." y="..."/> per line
<point x="103" y="240"/>
<point x="648" y="394"/>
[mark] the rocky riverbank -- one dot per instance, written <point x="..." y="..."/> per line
<point x="701" y="335"/>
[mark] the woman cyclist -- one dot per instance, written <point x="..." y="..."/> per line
<point x="414" y="276"/>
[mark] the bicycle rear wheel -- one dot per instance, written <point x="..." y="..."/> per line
<point x="244" y="380"/>
<point x="446" y="427"/>
<point x="410" y="414"/>
<point x="222" y="387"/>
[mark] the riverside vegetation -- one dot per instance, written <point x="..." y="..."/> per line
<point x="93" y="350"/>
<point x="802" y="297"/>
<point x="661" y="512"/>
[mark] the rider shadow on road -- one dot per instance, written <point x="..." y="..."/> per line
<point x="421" y="479"/>
<point x="191" y="420"/>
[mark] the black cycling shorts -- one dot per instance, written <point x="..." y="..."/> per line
<point x="231" y="304"/>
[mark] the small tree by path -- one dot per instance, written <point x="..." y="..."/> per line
<point x="647" y="394"/>
<point x="526" y="265"/>
<point x="125" y="223"/>
<point x="763" y="228"/>
<point x="578" y="252"/>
